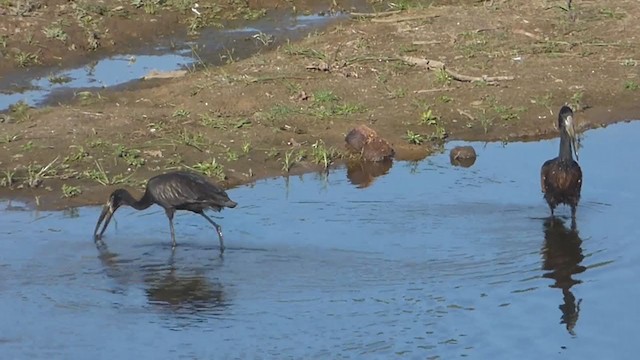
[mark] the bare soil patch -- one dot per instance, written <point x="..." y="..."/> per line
<point x="495" y="70"/>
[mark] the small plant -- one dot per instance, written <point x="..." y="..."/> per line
<point x="442" y="77"/>
<point x="414" y="138"/>
<point x="69" y="191"/>
<point x="428" y="117"/>
<point x="9" y="138"/>
<point x="246" y="148"/>
<point x="439" y="134"/>
<point x="576" y="99"/>
<point x="55" y="31"/>
<point x="20" y="110"/>
<point x="87" y="97"/>
<point x="324" y="96"/>
<point x="288" y="161"/>
<point x="631" y="85"/>
<point x="272" y="153"/>
<point x="26" y="59"/>
<point x="194" y="140"/>
<point x="544" y="100"/>
<point x="485" y="121"/>
<point x="347" y="109"/>
<point x="100" y="175"/>
<point x="131" y="156"/>
<point x="445" y="99"/>
<point x="215" y="122"/>
<point x="3" y="41"/>
<point x="79" y="154"/>
<point x="279" y="111"/>
<point x="97" y="143"/>
<point x="397" y="93"/>
<point x="181" y="113"/>
<point x="232" y="155"/>
<point x="323" y="155"/>
<point x="295" y="50"/>
<point x="629" y="62"/>
<point x="8" y="178"/>
<point x="293" y="88"/>
<point x="28" y="146"/>
<point x="210" y="169"/>
<point x="263" y="38"/>
<point x="36" y="173"/>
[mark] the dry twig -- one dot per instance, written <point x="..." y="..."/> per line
<point x="438" y="65"/>
<point x="375" y="15"/>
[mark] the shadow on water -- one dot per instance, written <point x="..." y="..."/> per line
<point x="415" y="260"/>
<point x="171" y="287"/>
<point x="238" y="40"/>
<point x="562" y="255"/>
<point x="363" y="173"/>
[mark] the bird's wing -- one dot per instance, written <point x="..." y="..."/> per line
<point x="189" y="189"/>
<point x="544" y="174"/>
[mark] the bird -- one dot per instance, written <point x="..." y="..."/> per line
<point x="178" y="190"/>
<point x="561" y="177"/>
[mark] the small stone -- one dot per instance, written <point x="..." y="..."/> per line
<point x="464" y="156"/>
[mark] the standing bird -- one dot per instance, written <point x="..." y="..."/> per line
<point x="173" y="191"/>
<point x="561" y="178"/>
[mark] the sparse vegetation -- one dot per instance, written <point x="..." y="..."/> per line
<point x="19" y="111"/>
<point x="55" y="31"/>
<point x="25" y="59"/>
<point x="101" y="176"/>
<point x="414" y="138"/>
<point x="211" y="168"/>
<point x="8" y="178"/>
<point x="69" y="191"/>
<point x="181" y="113"/>
<point x="442" y="77"/>
<point x="132" y="157"/>
<point x="631" y="85"/>
<point x="195" y="140"/>
<point x="323" y="155"/>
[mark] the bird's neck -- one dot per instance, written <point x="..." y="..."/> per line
<point x="141" y="204"/>
<point x="565" y="146"/>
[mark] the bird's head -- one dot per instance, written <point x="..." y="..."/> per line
<point x="566" y="124"/>
<point x="116" y="199"/>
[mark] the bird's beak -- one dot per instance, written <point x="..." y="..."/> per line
<point x="107" y="212"/>
<point x="571" y="130"/>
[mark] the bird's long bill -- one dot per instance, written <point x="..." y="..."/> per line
<point x="107" y="213"/>
<point x="571" y="130"/>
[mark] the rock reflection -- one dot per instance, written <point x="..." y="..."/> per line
<point x="363" y="173"/>
<point x="562" y="254"/>
<point x="188" y="295"/>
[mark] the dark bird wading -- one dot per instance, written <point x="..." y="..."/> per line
<point x="172" y="191"/>
<point x="561" y="177"/>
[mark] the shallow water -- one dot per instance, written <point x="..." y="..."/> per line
<point x="429" y="261"/>
<point x="212" y="46"/>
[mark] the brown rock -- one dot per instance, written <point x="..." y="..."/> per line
<point x="366" y="141"/>
<point x="464" y="156"/>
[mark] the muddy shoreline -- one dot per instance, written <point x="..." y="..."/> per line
<point x="286" y="111"/>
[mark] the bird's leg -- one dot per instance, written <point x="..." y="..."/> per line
<point x="218" y="229"/>
<point x="170" y="213"/>
<point x="573" y="212"/>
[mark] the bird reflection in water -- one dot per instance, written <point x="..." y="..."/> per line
<point x="192" y="298"/>
<point x="363" y="173"/>
<point x="562" y="254"/>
